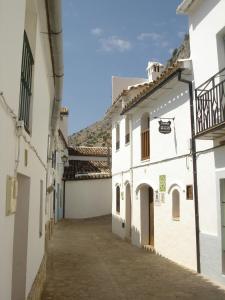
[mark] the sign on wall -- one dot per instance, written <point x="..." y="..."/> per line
<point x="162" y="183"/>
<point x="164" y="127"/>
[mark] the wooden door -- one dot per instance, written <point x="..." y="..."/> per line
<point x="151" y="217"/>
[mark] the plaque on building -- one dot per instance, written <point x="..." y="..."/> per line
<point x="164" y="127"/>
<point x="162" y="183"/>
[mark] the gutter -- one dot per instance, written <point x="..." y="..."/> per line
<point x="54" y="22"/>
<point x="195" y="177"/>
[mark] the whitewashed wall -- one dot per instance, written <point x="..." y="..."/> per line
<point x="12" y="16"/>
<point x="207" y="41"/>
<point x="173" y="239"/>
<point x="207" y="32"/>
<point x="88" y="198"/>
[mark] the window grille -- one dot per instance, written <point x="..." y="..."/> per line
<point x="26" y="83"/>
<point x="118" y="199"/>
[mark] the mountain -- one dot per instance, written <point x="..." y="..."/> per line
<point x="99" y="133"/>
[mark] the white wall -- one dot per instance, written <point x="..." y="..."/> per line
<point x="121" y="83"/>
<point x="12" y="17"/>
<point x="173" y="239"/>
<point x="88" y="198"/>
<point x="207" y="33"/>
<point x="207" y="27"/>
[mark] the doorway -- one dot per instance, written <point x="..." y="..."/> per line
<point x="20" y="240"/>
<point x="128" y="212"/>
<point x="147" y="215"/>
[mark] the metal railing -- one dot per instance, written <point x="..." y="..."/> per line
<point x="26" y="83"/>
<point x="145" y="145"/>
<point x="210" y="103"/>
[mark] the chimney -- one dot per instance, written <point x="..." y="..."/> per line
<point x="63" y="124"/>
<point x="154" y="69"/>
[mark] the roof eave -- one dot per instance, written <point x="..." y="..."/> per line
<point x="170" y="77"/>
<point x="185" y="6"/>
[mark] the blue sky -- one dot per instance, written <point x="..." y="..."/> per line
<point x="103" y="38"/>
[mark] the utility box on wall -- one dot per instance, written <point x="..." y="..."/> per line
<point x="11" y="195"/>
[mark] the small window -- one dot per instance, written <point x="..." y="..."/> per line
<point x="189" y="192"/>
<point x="117" y="137"/>
<point x="41" y="210"/>
<point x="176" y="205"/>
<point x="127" y="130"/>
<point x="145" y="137"/>
<point x="26" y="83"/>
<point x="118" y="199"/>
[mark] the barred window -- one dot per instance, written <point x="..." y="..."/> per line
<point x="26" y="83"/>
<point x="118" y="199"/>
<point x="127" y="130"/>
<point x="117" y="136"/>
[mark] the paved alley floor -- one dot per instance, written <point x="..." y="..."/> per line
<point x="86" y="261"/>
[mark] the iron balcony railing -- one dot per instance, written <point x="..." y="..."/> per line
<point x="26" y="83"/>
<point x="210" y="103"/>
<point x="145" y="145"/>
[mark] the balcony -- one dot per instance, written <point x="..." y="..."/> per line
<point x="145" y="145"/>
<point x="210" y="107"/>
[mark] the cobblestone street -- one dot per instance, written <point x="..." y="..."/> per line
<point x="86" y="261"/>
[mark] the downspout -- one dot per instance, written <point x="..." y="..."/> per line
<point x="54" y="22"/>
<point x="195" y="177"/>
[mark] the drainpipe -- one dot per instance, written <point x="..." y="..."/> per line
<point x="195" y="178"/>
<point x="54" y="22"/>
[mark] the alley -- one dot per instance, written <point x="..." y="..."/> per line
<point x="86" y="261"/>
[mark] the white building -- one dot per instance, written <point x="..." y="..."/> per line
<point x="31" y="74"/>
<point x="60" y="160"/>
<point x="207" y="41"/>
<point x="88" y="183"/>
<point x="152" y="177"/>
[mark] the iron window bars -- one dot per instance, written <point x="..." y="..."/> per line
<point x="26" y="83"/>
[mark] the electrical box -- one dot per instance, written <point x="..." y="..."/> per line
<point x="11" y="195"/>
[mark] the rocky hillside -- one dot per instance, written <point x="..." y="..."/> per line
<point x="99" y="133"/>
<point x="182" y="52"/>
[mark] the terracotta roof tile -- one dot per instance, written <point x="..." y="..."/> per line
<point x="152" y="85"/>
<point x="90" y="151"/>
<point x="86" y="169"/>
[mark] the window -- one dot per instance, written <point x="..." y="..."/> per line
<point x="127" y="130"/>
<point x="41" y="210"/>
<point x="26" y="83"/>
<point x="176" y="205"/>
<point x="118" y="199"/>
<point x="189" y="192"/>
<point x="117" y="136"/>
<point x="145" y="137"/>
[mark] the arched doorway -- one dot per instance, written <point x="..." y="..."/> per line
<point x="128" y="212"/>
<point x="147" y="215"/>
